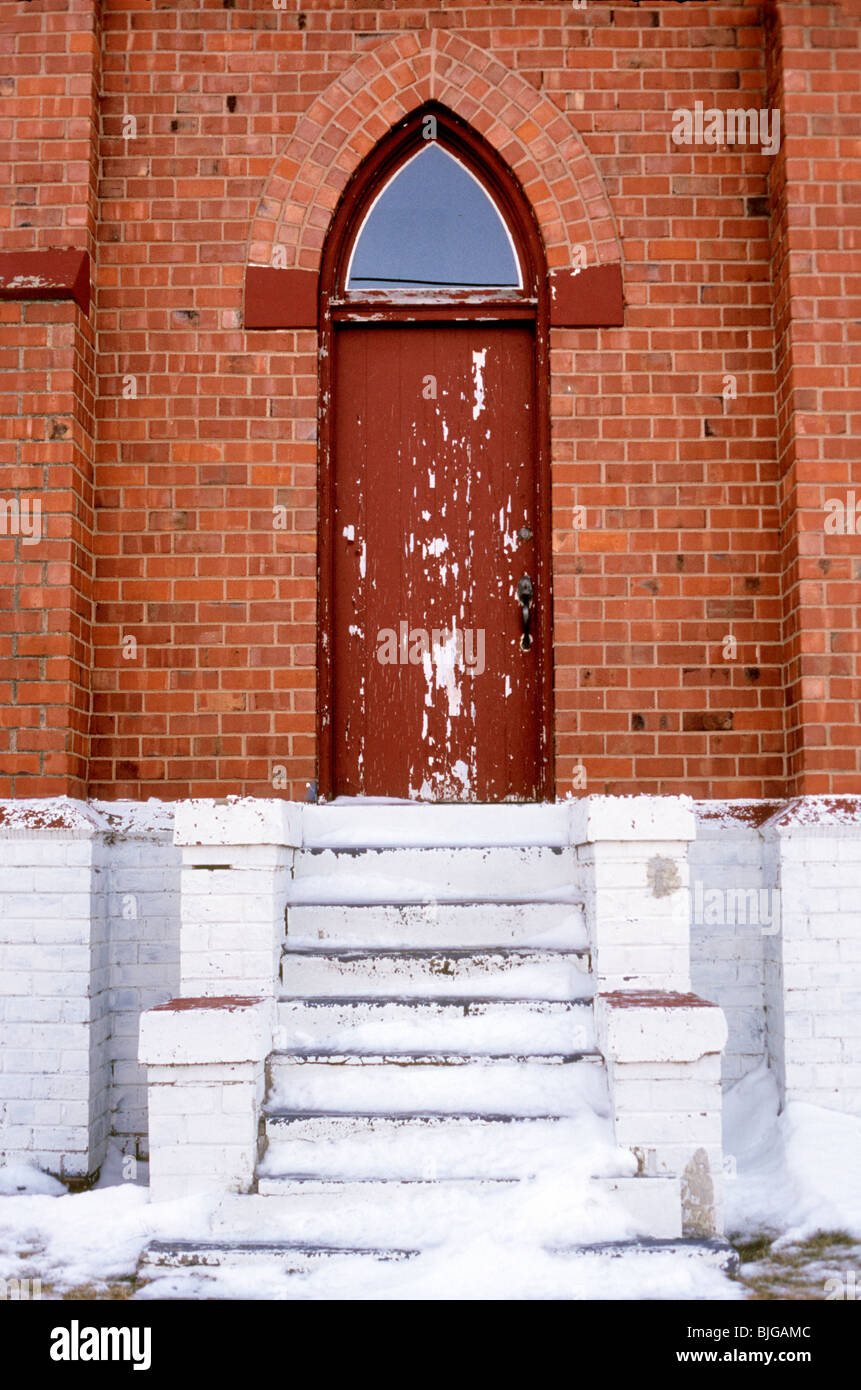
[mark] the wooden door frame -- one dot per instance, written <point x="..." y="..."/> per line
<point x="532" y="303"/>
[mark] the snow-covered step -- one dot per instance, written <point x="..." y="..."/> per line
<point x="453" y="1024"/>
<point x="354" y="824"/>
<point x="307" y="1196"/>
<point x="518" y="972"/>
<point x="370" y="1083"/>
<point x="451" y="1146"/>
<point x="283" y="1256"/>
<point x="653" y="1204"/>
<point x="516" y="874"/>
<point x="386" y="1213"/>
<point x="348" y="1263"/>
<point x="715" y="1252"/>
<point x="559" y="924"/>
<point x="351" y="1211"/>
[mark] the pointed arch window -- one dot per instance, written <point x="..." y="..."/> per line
<point x="433" y="226"/>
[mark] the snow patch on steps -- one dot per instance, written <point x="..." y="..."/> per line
<point x="517" y="972"/>
<point x="357" y="823"/>
<point x="439" y="1025"/>
<point x="402" y="875"/>
<point x="416" y="1146"/>
<point x="512" y="1085"/>
<point x="437" y="924"/>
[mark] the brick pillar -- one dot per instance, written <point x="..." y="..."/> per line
<point x="236" y="863"/>
<point x="50" y="87"/>
<point x="55" y="1005"/>
<point x="815" y="186"/>
<point x="663" y="1055"/>
<point x="206" y="1069"/>
<point x="813" y="962"/>
<point x="632" y="854"/>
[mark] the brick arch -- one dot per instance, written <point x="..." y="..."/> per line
<point x="344" y="124"/>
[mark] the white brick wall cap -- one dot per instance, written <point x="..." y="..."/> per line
<point x="186" y="1032"/>
<point x="716" y="819"/>
<point x="50" y="817"/>
<point x="812" y="816"/>
<point x="136" y="820"/>
<point x="657" y="1026"/>
<point x="238" y="820"/>
<point x="594" y="818"/>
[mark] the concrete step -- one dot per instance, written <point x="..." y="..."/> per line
<point x="284" y="1256"/>
<point x="414" y="1145"/>
<point x="374" y="1083"/>
<point x="447" y="1024"/>
<point x="307" y="1195"/>
<point x="406" y="1211"/>
<point x="479" y="971"/>
<point x="525" y="873"/>
<point x="403" y="824"/>
<point x="716" y="1252"/>
<point x="304" y="1257"/>
<point x="438" y="924"/>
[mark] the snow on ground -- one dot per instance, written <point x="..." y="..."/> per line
<point x="22" y="1179"/>
<point x="796" y="1174"/>
<point x="89" y="1237"/>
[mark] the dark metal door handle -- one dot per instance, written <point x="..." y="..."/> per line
<point x="524" y="598"/>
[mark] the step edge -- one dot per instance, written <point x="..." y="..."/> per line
<point x="431" y="952"/>
<point x="283" y="1116"/>
<point x="301" y="1057"/>
<point x="412" y="1000"/>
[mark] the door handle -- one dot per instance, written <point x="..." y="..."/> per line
<point x="525" y="595"/>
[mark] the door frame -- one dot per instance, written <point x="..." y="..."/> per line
<point x="531" y="303"/>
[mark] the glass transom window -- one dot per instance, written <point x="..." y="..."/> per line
<point x="433" y="226"/>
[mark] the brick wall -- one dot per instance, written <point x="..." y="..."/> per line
<point x="815" y="75"/>
<point x="47" y="390"/>
<point x="204" y="641"/>
<point x="680" y="544"/>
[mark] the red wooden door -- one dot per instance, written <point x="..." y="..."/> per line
<point x="434" y="697"/>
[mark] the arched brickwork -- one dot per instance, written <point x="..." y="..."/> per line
<point x="344" y="124"/>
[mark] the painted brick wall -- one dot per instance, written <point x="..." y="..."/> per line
<point x="814" y="966"/>
<point x="54" y="993"/>
<point x="785" y="965"/>
<point x="728" y="948"/>
<point x="138" y="887"/>
<point x="89" y="939"/>
<point x="202" y="428"/>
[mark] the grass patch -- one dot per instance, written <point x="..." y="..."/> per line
<point x="798" y="1271"/>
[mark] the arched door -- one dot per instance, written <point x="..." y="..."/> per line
<point x="435" y="635"/>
